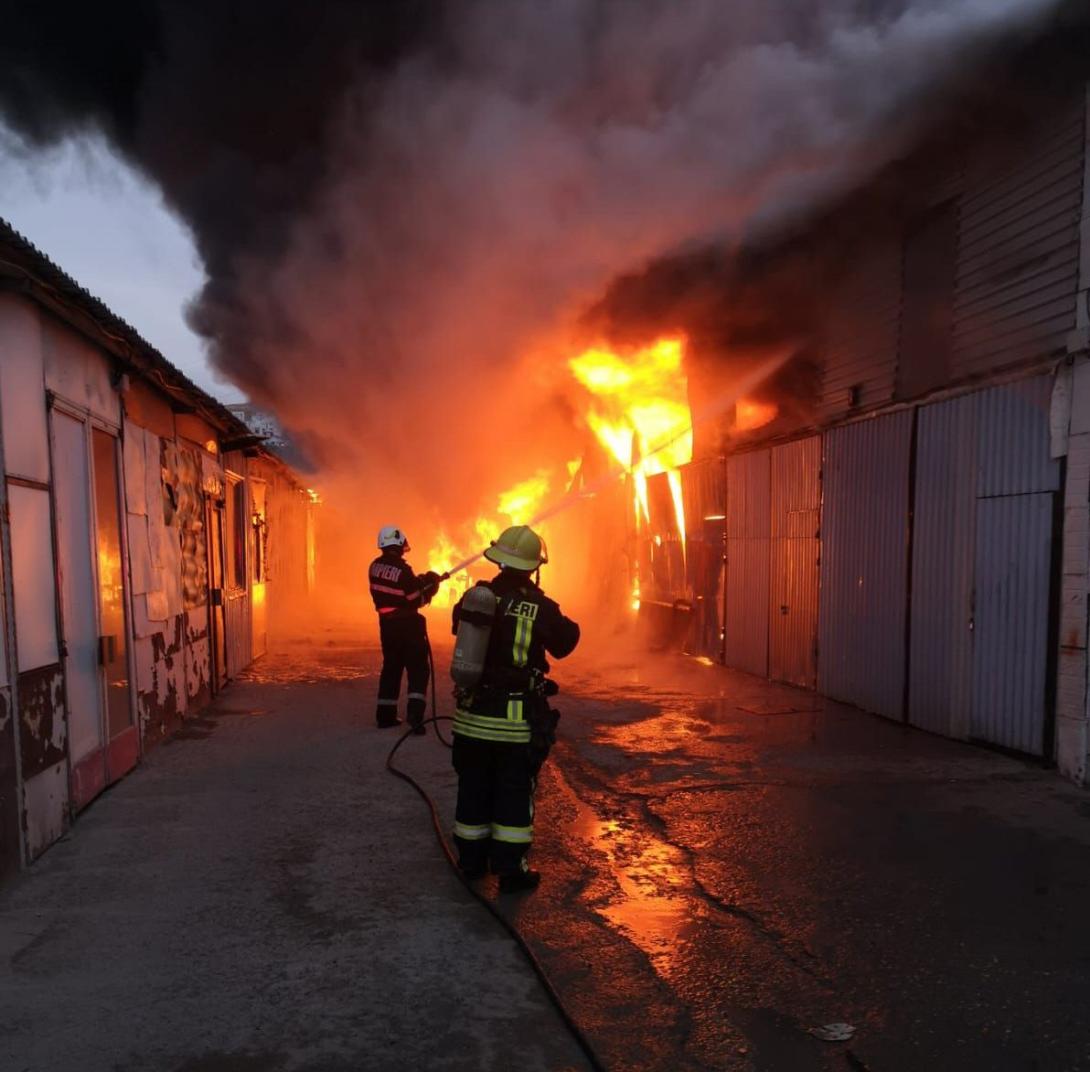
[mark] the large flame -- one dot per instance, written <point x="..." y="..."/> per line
<point x="640" y="414"/>
<point x="516" y="506"/>
<point x="639" y="411"/>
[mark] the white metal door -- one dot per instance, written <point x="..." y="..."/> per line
<point x="79" y="601"/>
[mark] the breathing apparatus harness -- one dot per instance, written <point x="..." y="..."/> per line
<point x="548" y="688"/>
<point x="478" y="681"/>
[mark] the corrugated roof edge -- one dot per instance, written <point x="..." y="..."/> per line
<point x="43" y="280"/>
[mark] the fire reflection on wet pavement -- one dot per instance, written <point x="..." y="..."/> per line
<point x="731" y="864"/>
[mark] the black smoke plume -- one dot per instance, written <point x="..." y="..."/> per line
<point x="405" y="208"/>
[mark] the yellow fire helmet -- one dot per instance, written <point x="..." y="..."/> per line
<point x="518" y="547"/>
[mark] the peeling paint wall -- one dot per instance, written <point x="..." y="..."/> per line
<point x="167" y="484"/>
<point x="198" y="658"/>
<point x="9" y="798"/>
<point x="184" y="467"/>
<point x="43" y="723"/>
<point x="153" y="487"/>
<point x="175" y="486"/>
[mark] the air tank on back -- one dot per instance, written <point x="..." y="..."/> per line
<point x="475" y="618"/>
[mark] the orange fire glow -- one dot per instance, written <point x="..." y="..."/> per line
<point x="640" y="412"/>
<point x="638" y="409"/>
<point x="749" y="415"/>
<point x="516" y="506"/>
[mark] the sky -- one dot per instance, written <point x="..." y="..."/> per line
<point x="107" y="227"/>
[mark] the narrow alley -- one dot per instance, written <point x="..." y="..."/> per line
<point x="261" y="894"/>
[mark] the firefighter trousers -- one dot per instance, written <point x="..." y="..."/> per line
<point x="494" y="817"/>
<point x="404" y="651"/>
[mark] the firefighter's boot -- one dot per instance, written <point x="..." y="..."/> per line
<point x="520" y="881"/>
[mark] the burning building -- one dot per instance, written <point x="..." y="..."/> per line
<point x="149" y="543"/>
<point x="897" y="516"/>
<point x="772" y="315"/>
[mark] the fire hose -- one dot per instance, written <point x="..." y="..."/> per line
<point x="546" y="984"/>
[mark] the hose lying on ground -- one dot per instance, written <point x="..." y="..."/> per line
<point x="507" y="925"/>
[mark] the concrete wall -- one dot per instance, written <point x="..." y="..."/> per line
<point x="1072" y="694"/>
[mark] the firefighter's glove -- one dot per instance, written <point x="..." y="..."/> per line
<point x="429" y="585"/>
<point x="551" y="688"/>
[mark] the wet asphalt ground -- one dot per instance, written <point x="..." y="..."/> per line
<point x="730" y="866"/>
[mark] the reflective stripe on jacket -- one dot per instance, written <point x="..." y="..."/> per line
<point x="528" y="625"/>
<point x="397" y="591"/>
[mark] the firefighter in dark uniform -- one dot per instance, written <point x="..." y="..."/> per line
<point x="503" y="726"/>
<point x="399" y="594"/>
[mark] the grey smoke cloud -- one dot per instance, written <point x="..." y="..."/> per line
<point x="492" y="191"/>
<point x="400" y="238"/>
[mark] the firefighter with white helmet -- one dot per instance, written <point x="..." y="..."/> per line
<point x="503" y="724"/>
<point x="399" y="594"/>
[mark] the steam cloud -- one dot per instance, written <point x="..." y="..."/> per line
<point x="404" y="208"/>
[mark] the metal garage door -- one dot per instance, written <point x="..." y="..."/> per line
<point x="748" y="522"/>
<point x="982" y="566"/>
<point x="864" y="563"/>
<point x="1017" y="486"/>
<point x="943" y="552"/>
<point x="796" y="513"/>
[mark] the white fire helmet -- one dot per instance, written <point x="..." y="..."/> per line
<point x="392" y="536"/>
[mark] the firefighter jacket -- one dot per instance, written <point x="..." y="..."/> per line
<point x="396" y="590"/>
<point x="528" y="626"/>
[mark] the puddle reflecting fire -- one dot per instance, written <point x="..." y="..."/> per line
<point x="652" y="910"/>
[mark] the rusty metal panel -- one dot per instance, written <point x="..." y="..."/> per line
<point x="1018" y="260"/>
<point x="861" y="336"/>
<point x="1010" y="656"/>
<point x="943" y="548"/>
<point x="1014" y="451"/>
<point x="795" y="521"/>
<point x="864" y="563"/>
<point x="748" y="549"/>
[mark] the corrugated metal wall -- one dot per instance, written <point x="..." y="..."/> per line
<point x="747" y="587"/>
<point x="982" y="566"/>
<point x="1016" y="489"/>
<point x="1018" y="259"/>
<point x="862" y="333"/>
<point x="1010" y="656"/>
<point x="1015" y="448"/>
<point x="795" y="522"/>
<point x="704" y="484"/>
<point x="943" y="549"/>
<point x="861" y="622"/>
